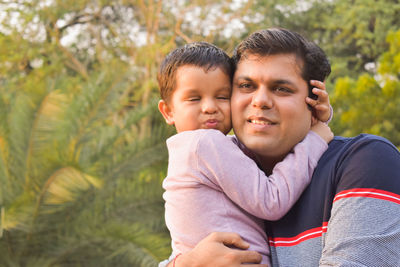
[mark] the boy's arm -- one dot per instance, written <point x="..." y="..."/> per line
<point x="364" y="227"/>
<point x="266" y="197"/>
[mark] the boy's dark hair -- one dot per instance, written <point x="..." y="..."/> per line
<point x="199" y="54"/>
<point x="282" y="41"/>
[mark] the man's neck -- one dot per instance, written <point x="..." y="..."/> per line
<point x="267" y="164"/>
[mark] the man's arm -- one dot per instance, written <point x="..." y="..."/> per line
<point x="214" y="251"/>
<point x="364" y="227"/>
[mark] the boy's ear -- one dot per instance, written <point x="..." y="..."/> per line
<point x="166" y="112"/>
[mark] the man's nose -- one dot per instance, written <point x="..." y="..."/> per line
<point x="209" y="106"/>
<point x="262" y="98"/>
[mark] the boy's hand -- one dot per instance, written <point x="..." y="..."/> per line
<point x="213" y="251"/>
<point x="321" y="106"/>
<point x="323" y="130"/>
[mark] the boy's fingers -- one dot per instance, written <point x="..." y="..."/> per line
<point x="320" y="93"/>
<point x="250" y="257"/>
<point x="312" y="102"/>
<point x="230" y="239"/>
<point x="318" y="84"/>
<point x="322" y="108"/>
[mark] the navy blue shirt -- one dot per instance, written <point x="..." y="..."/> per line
<point x="350" y="213"/>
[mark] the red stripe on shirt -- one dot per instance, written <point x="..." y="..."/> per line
<point x="293" y="241"/>
<point x="368" y="192"/>
<point x="318" y="231"/>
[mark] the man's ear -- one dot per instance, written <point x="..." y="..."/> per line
<point x="314" y="120"/>
<point x="166" y="112"/>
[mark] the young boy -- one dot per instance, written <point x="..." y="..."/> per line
<point x="211" y="184"/>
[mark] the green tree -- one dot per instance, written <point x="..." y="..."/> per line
<point x="82" y="152"/>
<point x="352" y="33"/>
<point x="360" y="29"/>
<point x="371" y="103"/>
<point x="77" y="184"/>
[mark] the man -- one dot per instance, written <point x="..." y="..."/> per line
<point x="350" y="213"/>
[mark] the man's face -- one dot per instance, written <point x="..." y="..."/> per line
<point x="269" y="112"/>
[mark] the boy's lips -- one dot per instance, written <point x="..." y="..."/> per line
<point x="211" y="123"/>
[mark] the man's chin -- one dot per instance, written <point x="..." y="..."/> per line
<point x="261" y="146"/>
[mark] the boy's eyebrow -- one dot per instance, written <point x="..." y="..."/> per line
<point x="195" y="90"/>
<point x="223" y="88"/>
<point x="191" y="90"/>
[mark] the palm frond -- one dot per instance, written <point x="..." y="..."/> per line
<point x="64" y="186"/>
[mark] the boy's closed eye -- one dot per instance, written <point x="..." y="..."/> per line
<point x="224" y="97"/>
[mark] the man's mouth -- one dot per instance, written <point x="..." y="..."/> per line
<point x="261" y="122"/>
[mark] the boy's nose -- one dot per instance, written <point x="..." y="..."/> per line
<point x="209" y="106"/>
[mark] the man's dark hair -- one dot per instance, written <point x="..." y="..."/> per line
<point x="315" y="64"/>
<point x="199" y="54"/>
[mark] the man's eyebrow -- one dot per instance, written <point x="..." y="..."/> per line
<point x="243" y="77"/>
<point x="283" y="81"/>
<point x="278" y="81"/>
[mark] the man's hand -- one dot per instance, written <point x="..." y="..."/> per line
<point x="214" y="251"/>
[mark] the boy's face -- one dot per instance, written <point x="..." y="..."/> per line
<point x="269" y="112"/>
<point x="201" y="100"/>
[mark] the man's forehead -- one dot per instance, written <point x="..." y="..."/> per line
<point x="261" y="57"/>
<point x="244" y="65"/>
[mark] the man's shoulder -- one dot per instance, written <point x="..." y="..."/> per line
<point x="360" y="139"/>
<point x="363" y="149"/>
<point x="364" y="161"/>
<point x="363" y="143"/>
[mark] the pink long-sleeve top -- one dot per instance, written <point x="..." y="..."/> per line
<point x="213" y="186"/>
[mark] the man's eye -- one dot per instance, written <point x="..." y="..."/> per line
<point x="244" y="85"/>
<point x="283" y="89"/>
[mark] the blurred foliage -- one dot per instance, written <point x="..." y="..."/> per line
<point x="82" y="147"/>
<point x="77" y="181"/>
<point x="352" y="33"/>
<point x="371" y="103"/>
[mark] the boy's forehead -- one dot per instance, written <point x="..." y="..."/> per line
<point x="192" y="74"/>
<point x="182" y="70"/>
<point x="205" y="68"/>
